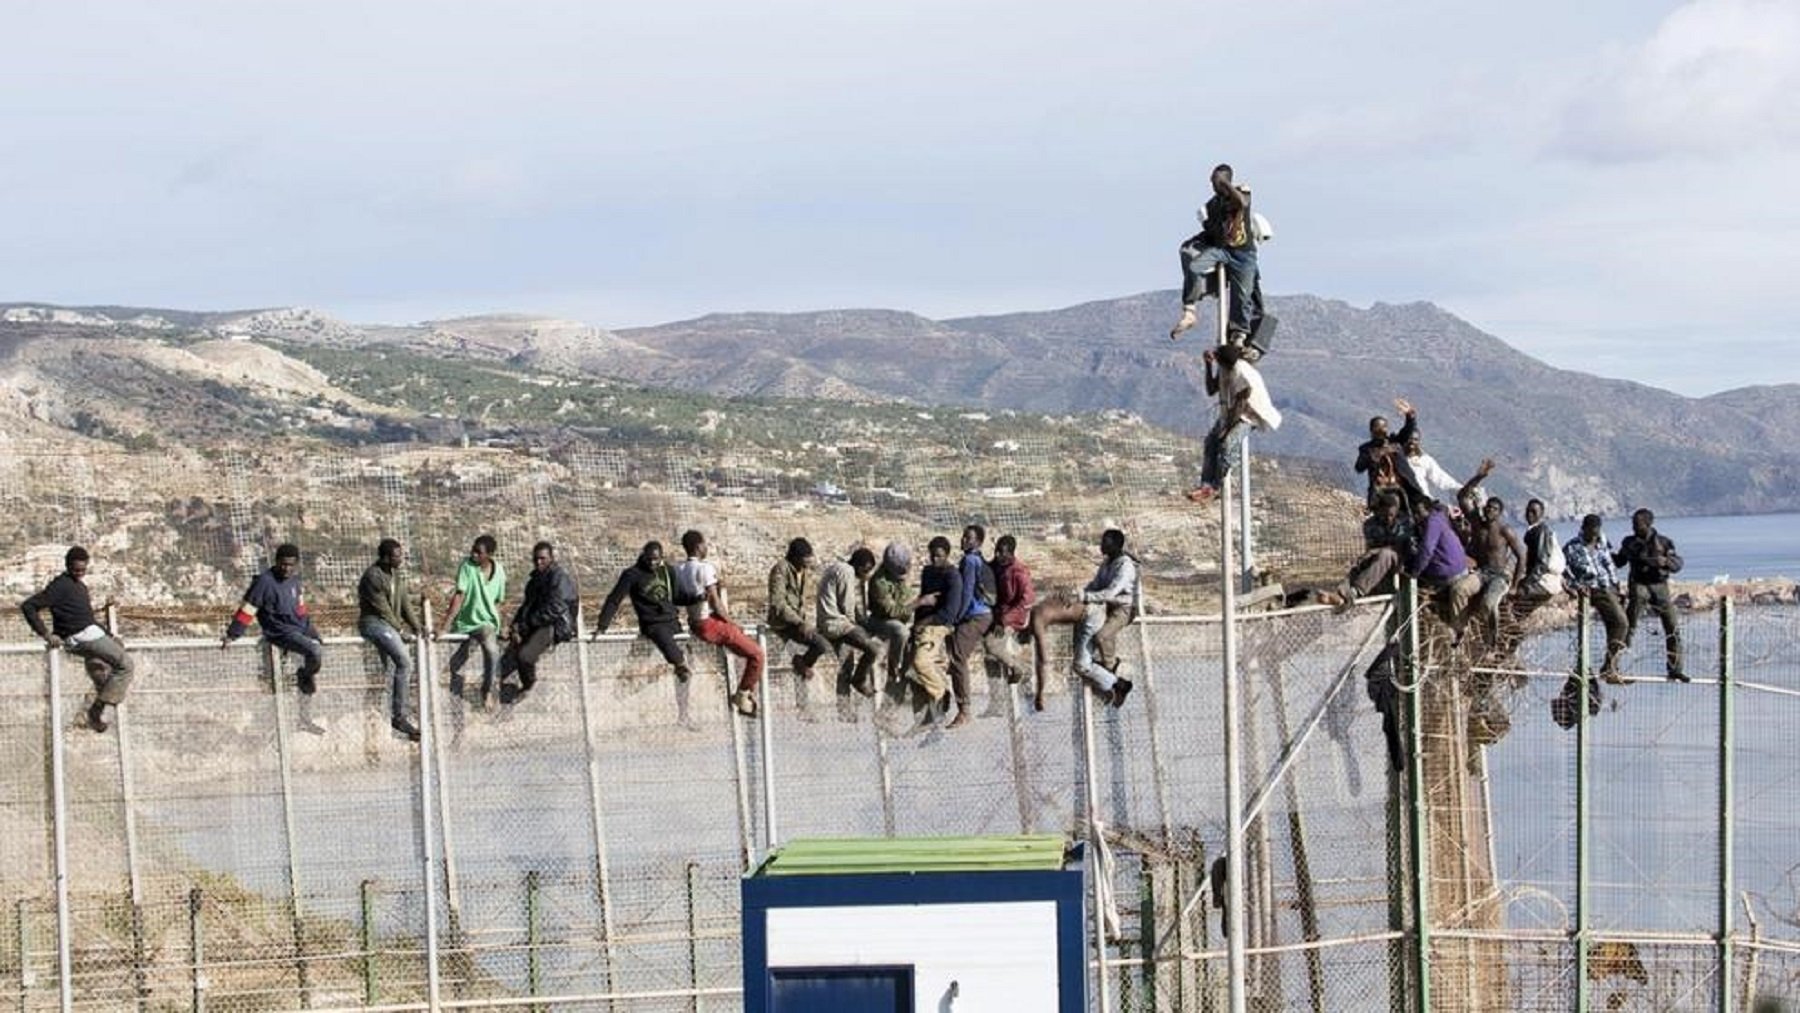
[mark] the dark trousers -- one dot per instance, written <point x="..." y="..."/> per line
<point x="523" y="657"/>
<point x="1656" y="597"/>
<point x="312" y="655"/>
<point x="1618" y="627"/>
<point x="663" y="636"/>
<point x="965" y="643"/>
<point x="1222" y="443"/>
<point x="1374" y="569"/>
<point x="816" y="647"/>
<point x="857" y="651"/>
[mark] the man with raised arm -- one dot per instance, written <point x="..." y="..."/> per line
<point x="1383" y="457"/>
<point x="697" y="585"/>
<point x="73" y="629"/>
<point x="651" y="586"/>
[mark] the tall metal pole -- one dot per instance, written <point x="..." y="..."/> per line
<point x="426" y="668"/>
<point x="1727" y="806"/>
<point x="284" y="753"/>
<point x="445" y="828"/>
<point x="764" y="719"/>
<point x="1246" y="533"/>
<point x="129" y="811"/>
<point x="59" y="829"/>
<point x="1096" y="849"/>
<point x="1584" y="664"/>
<point x="740" y="772"/>
<point x="1235" y="963"/>
<point x="602" y="863"/>
<point x="1421" y="814"/>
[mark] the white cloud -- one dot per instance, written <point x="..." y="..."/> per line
<point x="1715" y="78"/>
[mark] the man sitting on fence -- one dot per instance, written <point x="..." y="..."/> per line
<point x="1500" y="557"/>
<point x="650" y="584"/>
<point x="1590" y="576"/>
<point x="1439" y="564"/>
<point x="697" y="586"/>
<point x="383" y="605"/>
<point x="793" y="596"/>
<point x="276" y="602"/>
<point x="890" y="614"/>
<point x="1098" y="612"/>
<point x="72" y="628"/>
<point x="842" y="614"/>
<point x="546" y="617"/>
<point x="1006" y="642"/>
<point x="474" y="613"/>
<point x="1388" y="539"/>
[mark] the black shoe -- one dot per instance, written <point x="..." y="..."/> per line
<point x="405" y="727"/>
<point x="1679" y="677"/>
<point x="308" y="684"/>
<point x="1121" y="689"/>
<point x="96" y="716"/>
<point x="456" y="684"/>
<point x="683" y="673"/>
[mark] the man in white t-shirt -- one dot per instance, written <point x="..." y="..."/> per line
<point x="709" y="618"/>
<point x="1244" y="403"/>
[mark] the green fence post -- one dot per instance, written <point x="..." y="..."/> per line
<point x="693" y="933"/>
<point x="197" y="949"/>
<point x="532" y="971"/>
<point x="1421" y="816"/>
<point x="365" y="894"/>
<point x="25" y="979"/>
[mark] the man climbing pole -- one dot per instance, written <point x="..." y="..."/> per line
<point x="1228" y="236"/>
<point x="1243" y="402"/>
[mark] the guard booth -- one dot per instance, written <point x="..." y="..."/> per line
<point x="894" y="925"/>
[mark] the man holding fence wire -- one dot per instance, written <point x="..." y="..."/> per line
<point x="276" y="602"/>
<point x="73" y="629"/>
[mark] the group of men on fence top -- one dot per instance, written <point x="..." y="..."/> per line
<point x="859" y="612"/>
<point x="1474" y="560"/>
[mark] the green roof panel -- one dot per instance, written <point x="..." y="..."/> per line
<point x="822" y="856"/>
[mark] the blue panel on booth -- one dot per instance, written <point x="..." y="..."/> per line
<point x="842" y="989"/>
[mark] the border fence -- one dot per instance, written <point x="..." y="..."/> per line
<point x="581" y="849"/>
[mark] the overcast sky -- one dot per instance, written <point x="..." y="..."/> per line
<point x="1608" y="185"/>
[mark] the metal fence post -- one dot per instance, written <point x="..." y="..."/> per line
<point x="59" y="823"/>
<point x="425" y="668"/>
<point x="366" y="937"/>
<point x="532" y="971"/>
<point x="771" y="832"/>
<point x="284" y="752"/>
<point x="1235" y="865"/>
<point x="1421" y="816"/>
<point x="693" y="931"/>
<point x="140" y="980"/>
<point x="1584" y="665"/>
<point x="602" y="861"/>
<point x="197" y="949"/>
<point x="445" y="834"/>
<point x="1096" y="849"/>
<point x="740" y="773"/>
<point x="1727" y="806"/>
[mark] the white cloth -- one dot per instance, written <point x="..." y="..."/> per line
<point x="1437" y="483"/>
<point x="692" y="578"/>
<point x="85" y="636"/>
<point x="1259" y="408"/>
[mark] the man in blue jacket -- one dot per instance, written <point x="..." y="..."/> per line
<point x="276" y="602"/>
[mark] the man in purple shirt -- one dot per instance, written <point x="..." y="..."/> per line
<point x="1441" y="564"/>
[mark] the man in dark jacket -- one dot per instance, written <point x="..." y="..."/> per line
<point x="276" y="602"/>
<point x="1227" y="237"/>
<point x="73" y="629"/>
<point x="1383" y="457"/>
<point x="651" y="586"/>
<point x="1653" y="560"/>
<point x="384" y="605"/>
<point x="545" y="618"/>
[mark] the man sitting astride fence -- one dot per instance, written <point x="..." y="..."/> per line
<point x="546" y="617"/>
<point x="842" y="615"/>
<point x="1388" y="539"/>
<point x="1439" y="564"/>
<point x="383" y="605"/>
<point x="1653" y="560"/>
<point x="1591" y="577"/>
<point x="73" y="629"/>
<point x="651" y="586"/>
<point x="276" y="602"/>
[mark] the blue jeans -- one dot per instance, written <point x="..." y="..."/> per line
<point x="1197" y="261"/>
<point x="394" y="658"/>
<point x="1222" y="444"/>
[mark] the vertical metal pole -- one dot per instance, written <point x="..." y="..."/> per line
<point x="1021" y="766"/>
<point x="1246" y="531"/>
<point x="886" y="771"/>
<point x="1584" y="664"/>
<point x="425" y="666"/>
<point x="197" y="949"/>
<point x="366" y="937"/>
<point x="1727" y="806"/>
<point x="532" y="971"/>
<point x="763" y="718"/>
<point x="740" y="773"/>
<point x="1158" y="775"/>
<point x="693" y="933"/>
<point x="602" y="861"/>
<point x="445" y="834"/>
<point x="129" y="811"/>
<point x="284" y="754"/>
<point x="59" y="823"/>
<point x="1421" y="814"/>
<point x="1235" y="866"/>
<point x="1096" y="849"/>
<point x="26" y="979"/>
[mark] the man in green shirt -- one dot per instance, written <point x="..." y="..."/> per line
<point x="383" y="605"/>
<point x="474" y="612"/>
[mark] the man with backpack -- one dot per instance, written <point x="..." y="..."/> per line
<point x="1544" y="561"/>
<point x="974" y="611"/>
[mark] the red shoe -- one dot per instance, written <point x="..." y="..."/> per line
<point x="1202" y="494"/>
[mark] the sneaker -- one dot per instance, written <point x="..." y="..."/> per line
<point x="1121" y="689"/>
<point x="405" y="728"/>
<point x="744" y="702"/>
<point x="1189" y="317"/>
<point x="1679" y="677"/>
<point x="308" y="684"/>
<point x="1202" y="494"/>
<point x="96" y="717"/>
<point x="683" y="673"/>
<point x="801" y="671"/>
<point x="1252" y="354"/>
